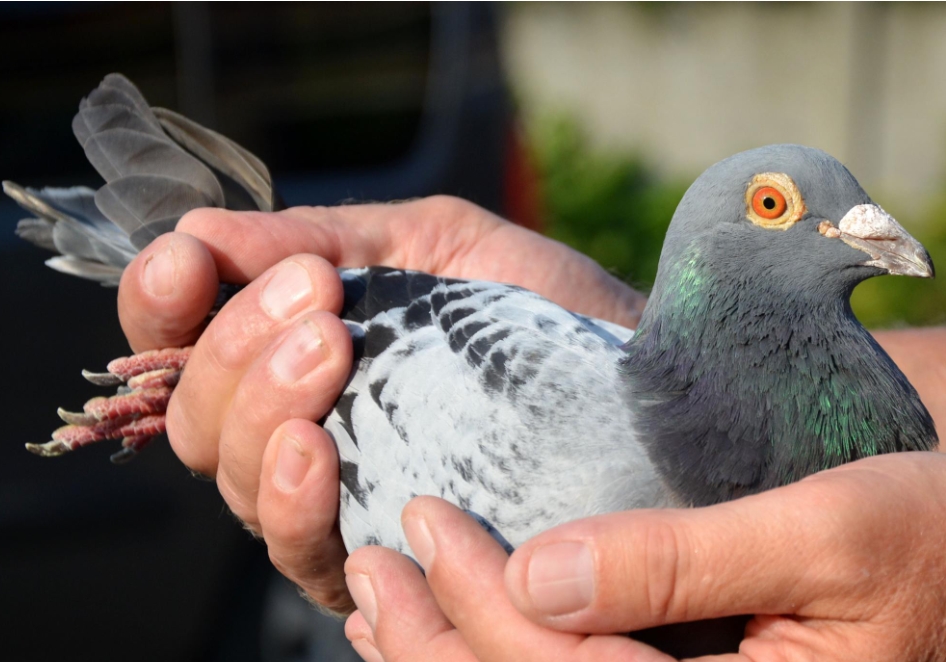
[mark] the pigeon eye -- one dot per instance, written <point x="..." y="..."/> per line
<point x="773" y="201"/>
<point x="768" y="202"/>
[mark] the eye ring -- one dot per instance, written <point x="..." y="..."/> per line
<point x="773" y="201"/>
<point x="768" y="202"/>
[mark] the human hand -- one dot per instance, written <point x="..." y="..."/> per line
<point x="225" y="419"/>
<point x="844" y="565"/>
<point x="440" y="235"/>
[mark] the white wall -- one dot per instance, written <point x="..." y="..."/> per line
<point x="688" y="84"/>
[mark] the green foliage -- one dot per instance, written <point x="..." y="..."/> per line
<point x="606" y="205"/>
<point x="610" y="205"/>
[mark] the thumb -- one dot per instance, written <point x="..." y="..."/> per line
<point x="804" y="549"/>
<point x="167" y="292"/>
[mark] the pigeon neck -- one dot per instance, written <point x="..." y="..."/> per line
<point x="738" y="386"/>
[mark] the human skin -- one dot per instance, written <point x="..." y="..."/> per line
<point x="278" y="471"/>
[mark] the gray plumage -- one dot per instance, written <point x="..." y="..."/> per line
<point x="157" y="166"/>
<point x="748" y="371"/>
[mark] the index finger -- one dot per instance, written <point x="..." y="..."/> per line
<point x="441" y="235"/>
<point x="426" y="235"/>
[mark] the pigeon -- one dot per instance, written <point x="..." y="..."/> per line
<point x="748" y="369"/>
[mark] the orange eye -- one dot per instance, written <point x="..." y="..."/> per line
<point x="773" y="202"/>
<point x="768" y="202"/>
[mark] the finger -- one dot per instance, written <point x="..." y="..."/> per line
<point x="803" y="549"/>
<point x="298" y="512"/>
<point x="232" y="341"/>
<point x="166" y="293"/>
<point x="299" y="375"/>
<point x="464" y="567"/>
<point x="362" y="639"/>
<point x="398" y="610"/>
<point x="442" y="235"/>
<point x="422" y="234"/>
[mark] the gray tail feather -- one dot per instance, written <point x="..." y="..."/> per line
<point x="157" y="166"/>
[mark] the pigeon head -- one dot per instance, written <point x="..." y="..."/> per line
<point x="749" y="369"/>
<point x="795" y="217"/>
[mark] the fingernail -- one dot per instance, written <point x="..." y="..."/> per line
<point x="367" y="652"/>
<point x="362" y="592"/>
<point x="158" y="276"/>
<point x="287" y="291"/>
<point x="292" y="464"/>
<point x="299" y="354"/>
<point x="561" y="578"/>
<point x="420" y="540"/>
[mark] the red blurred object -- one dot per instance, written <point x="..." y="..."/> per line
<point x="522" y="199"/>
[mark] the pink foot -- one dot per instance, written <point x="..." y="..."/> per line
<point x="136" y="414"/>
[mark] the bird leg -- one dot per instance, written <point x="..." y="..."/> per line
<point x="136" y="414"/>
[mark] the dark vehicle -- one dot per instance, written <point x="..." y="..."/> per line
<point x="344" y="103"/>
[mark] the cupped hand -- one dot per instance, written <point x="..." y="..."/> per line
<point x="277" y="353"/>
<point x="165" y="302"/>
<point x="844" y="565"/>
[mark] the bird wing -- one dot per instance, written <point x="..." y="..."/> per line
<point x="157" y="166"/>
<point x="66" y="220"/>
<point x="484" y="394"/>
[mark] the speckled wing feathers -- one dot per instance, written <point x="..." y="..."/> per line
<point x="486" y="395"/>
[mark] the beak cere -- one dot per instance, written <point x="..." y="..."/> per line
<point x="870" y="229"/>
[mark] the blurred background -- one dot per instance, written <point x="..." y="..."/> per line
<point x="584" y="121"/>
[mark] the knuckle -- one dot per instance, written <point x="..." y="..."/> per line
<point x="287" y="531"/>
<point x="283" y="562"/>
<point x="448" y="211"/>
<point x="319" y="580"/>
<point x="301" y="566"/>
<point x="196" y="218"/>
<point x="185" y="440"/>
<point x="447" y="205"/>
<point x="308" y="213"/>
<point x="226" y="343"/>
<point x="666" y="566"/>
<point x="458" y="227"/>
<point x="240" y="500"/>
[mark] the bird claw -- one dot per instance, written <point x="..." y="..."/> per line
<point x="102" y="378"/>
<point x="131" y="446"/>
<point x="49" y="449"/>
<point x="135" y="414"/>
<point x="76" y="417"/>
<point x="123" y="456"/>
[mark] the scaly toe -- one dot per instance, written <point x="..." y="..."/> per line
<point x="136" y="414"/>
<point x="136" y="403"/>
<point x="156" y="359"/>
